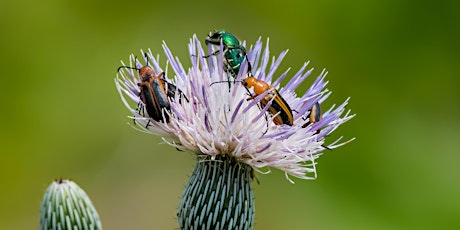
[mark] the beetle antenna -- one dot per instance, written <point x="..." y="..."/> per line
<point x="249" y="65"/>
<point x="223" y="82"/>
<point x="147" y="57"/>
<point x="127" y="67"/>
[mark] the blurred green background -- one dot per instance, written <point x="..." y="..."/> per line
<point x="61" y="115"/>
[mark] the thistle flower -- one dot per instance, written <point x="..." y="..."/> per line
<point x="66" y="206"/>
<point x="231" y="135"/>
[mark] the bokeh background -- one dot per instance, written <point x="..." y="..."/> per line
<point x="61" y="115"/>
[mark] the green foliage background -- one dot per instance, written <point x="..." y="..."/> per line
<point x="398" y="60"/>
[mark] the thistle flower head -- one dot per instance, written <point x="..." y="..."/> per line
<point x="211" y="119"/>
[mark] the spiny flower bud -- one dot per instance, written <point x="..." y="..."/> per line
<point x="66" y="206"/>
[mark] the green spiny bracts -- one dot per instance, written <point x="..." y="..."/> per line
<point x="218" y="195"/>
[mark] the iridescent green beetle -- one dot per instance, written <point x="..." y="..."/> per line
<point x="234" y="52"/>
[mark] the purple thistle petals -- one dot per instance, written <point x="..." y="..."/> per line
<point x="319" y="82"/>
<point x="241" y="71"/>
<point x="254" y="54"/>
<point x="259" y="75"/>
<point x="128" y="86"/>
<point x="194" y="99"/>
<point x="192" y="51"/>
<point x="255" y="101"/>
<point x="308" y="104"/>
<point x="278" y="81"/>
<point x="197" y="56"/>
<point x="263" y="112"/>
<point x="152" y="62"/>
<point x="298" y="78"/>
<point x="302" y="70"/>
<point x="177" y="67"/>
<point x="265" y="59"/>
<point x="264" y="148"/>
<point x="323" y="122"/>
<point x="205" y="98"/>
<point x="324" y="95"/>
<point x="275" y="65"/>
<point x="134" y="90"/>
<point x="334" y="144"/>
<point x="206" y="123"/>
<point x="325" y="132"/>
<point x="317" y="86"/>
<point x="130" y="72"/>
<point x="292" y="85"/>
<point x="338" y="111"/>
<point x="193" y="89"/>
<point x="289" y="133"/>
<point x="137" y="63"/>
<point x="332" y="119"/>
<point x="177" y="113"/>
<point x="237" y="109"/>
<point x="182" y="71"/>
<point x="211" y="60"/>
<point x="124" y="91"/>
<point x="273" y="135"/>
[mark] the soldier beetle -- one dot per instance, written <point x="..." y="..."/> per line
<point x="314" y="116"/>
<point x="155" y="93"/>
<point x="279" y="107"/>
